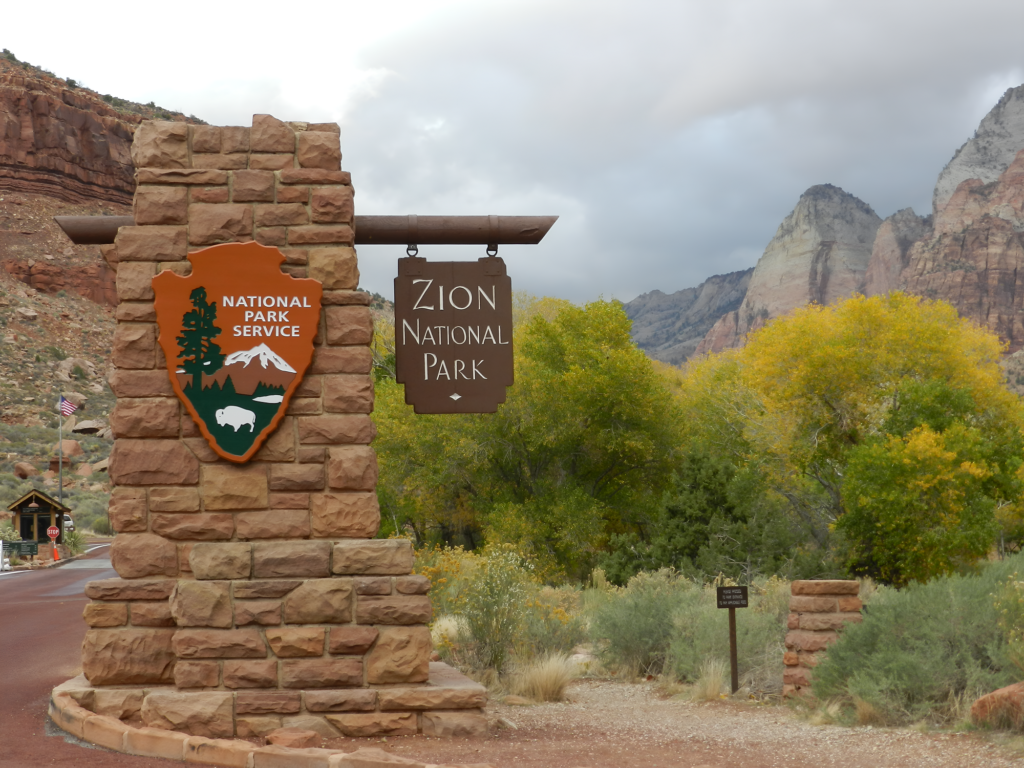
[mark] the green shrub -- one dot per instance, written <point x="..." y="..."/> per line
<point x="102" y="526"/>
<point x="1010" y="611"/>
<point x="633" y="625"/>
<point x="495" y="602"/>
<point x="488" y="592"/>
<point x="447" y="569"/>
<point x="552" y="623"/>
<point x="88" y="509"/>
<point x="922" y="650"/>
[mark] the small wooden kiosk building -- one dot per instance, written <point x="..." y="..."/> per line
<point x="34" y="513"/>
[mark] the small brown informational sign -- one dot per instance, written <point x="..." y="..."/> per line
<point x="238" y="335"/>
<point x="732" y="597"/>
<point x="453" y="334"/>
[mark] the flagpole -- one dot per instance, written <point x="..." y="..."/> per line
<point x="60" y="453"/>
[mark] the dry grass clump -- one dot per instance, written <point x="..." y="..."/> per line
<point x="545" y="679"/>
<point x="448" y="630"/>
<point x="710" y="681"/>
<point x="828" y="713"/>
<point x="866" y="712"/>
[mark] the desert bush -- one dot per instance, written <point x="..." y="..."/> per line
<point x="102" y="526"/>
<point x="8" y="533"/>
<point x="1009" y="605"/>
<point x="88" y="508"/>
<point x="923" y="650"/>
<point x="488" y="592"/>
<point x="495" y="603"/>
<point x="633" y="625"/>
<point x="545" y="678"/>
<point x="448" y="569"/>
<point x="552" y="623"/>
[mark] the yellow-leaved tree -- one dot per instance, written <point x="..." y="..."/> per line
<point x="585" y="441"/>
<point x="882" y="419"/>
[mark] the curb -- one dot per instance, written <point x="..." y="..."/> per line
<point x="111" y="733"/>
<point x="51" y="564"/>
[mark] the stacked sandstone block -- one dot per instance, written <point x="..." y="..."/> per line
<point x="254" y="594"/>
<point x="818" y="612"/>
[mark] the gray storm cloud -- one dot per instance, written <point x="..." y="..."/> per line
<point x="671" y="136"/>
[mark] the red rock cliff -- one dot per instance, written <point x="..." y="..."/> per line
<point x="974" y="259"/>
<point x="63" y="143"/>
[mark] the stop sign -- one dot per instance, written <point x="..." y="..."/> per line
<point x="53" y="532"/>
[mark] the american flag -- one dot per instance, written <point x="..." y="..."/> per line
<point x="66" y="406"/>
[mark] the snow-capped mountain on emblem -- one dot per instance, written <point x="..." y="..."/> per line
<point x="265" y="355"/>
<point x="271" y="370"/>
<point x="212" y="322"/>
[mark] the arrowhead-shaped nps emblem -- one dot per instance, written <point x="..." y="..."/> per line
<point x="238" y="336"/>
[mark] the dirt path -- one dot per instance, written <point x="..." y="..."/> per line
<point x="612" y="725"/>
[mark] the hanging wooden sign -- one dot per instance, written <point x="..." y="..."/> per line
<point x="238" y="336"/>
<point x="453" y="334"/>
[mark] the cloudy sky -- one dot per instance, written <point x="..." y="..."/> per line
<point x="670" y="136"/>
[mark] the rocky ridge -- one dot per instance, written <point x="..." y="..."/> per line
<point x="968" y="252"/>
<point x="989" y="152"/>
<point x="59" y="142"/>
<point x="668" y="327"/>
<point x="820" y="253"/>
<point x="65" y="141"/>
<point x="973" y="257"/>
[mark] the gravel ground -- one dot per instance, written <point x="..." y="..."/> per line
<point x="608" y="724"/>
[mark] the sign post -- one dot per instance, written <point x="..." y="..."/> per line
<point x="53" y="532"/>
<point x="733" y="598"/>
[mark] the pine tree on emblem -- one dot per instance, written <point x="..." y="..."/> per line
<point x="199" y="354"/>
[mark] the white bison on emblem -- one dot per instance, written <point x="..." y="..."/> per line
<point x="236" y="417"/>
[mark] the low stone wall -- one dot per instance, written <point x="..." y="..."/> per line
<point x="98" y="716"/>
<point x="818" y="612"/>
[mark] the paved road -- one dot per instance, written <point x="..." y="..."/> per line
<point x="41" y="631"/>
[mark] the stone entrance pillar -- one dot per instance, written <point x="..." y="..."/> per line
<point x="254" y="595"/>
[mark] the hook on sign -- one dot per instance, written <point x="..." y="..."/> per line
<point x="414" y="235"/>
<point x="492" y="236"/>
